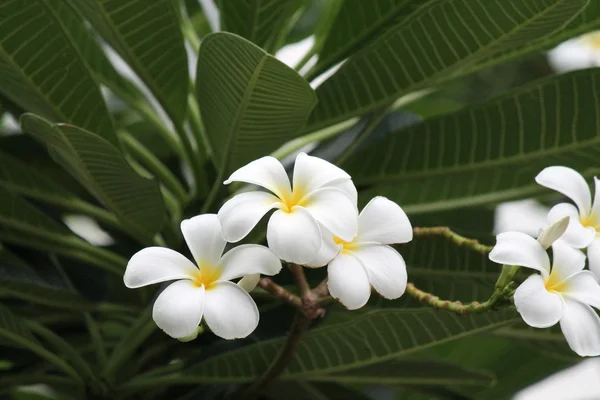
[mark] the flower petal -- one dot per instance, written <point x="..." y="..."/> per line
<point x="569" y="182"/>
<point x="157" y="264"/>
<point x="335" y="210"/>
<point x="294" y="237"/>
<point x="538" y="307"/>
<point x="593" y="253"/>
<point x="596" y="204"/>
<point x="229" y="311"/>
<point x="242" y="212"/>
<point x="266" y="172"/>
<point x="576" y="234"/>
<point x="583" y="287"/>
<point x="311" y="173"/>
<point x="329" y="249"/>
<point x="249" y="282"/>
<point x="348" y="281"/>
<point x="386" y="269"/>
<point x="248" y="259"/>
<point x="516" y="248"/>
<point x="178" y="309"/>
<point x="581" y="326"/>
<point x="348" y="188"/>
<point x="383" y="221"/>
<point x="203" y="236"/>
<point x="566" y="261"/>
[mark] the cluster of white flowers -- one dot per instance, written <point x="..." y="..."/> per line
<point x="564" y="292"/>
<point x="316" y="223"/>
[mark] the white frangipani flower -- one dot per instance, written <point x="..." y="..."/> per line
<point x="205" y="290"/>
<point x="561" y="294"/>
<point x="584" y="220"/>
<point x="578" y="53"/>
<point x="367" y="260"/>
<point x="322" y="195"/>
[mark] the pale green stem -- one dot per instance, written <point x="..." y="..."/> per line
<point x="457" y="239"/>
<point x="154" y="165"/>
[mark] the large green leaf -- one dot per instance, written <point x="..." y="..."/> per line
<point x="441" y="41"/>
<point x="410" y="372"/>
<point x="259" y="21"/>
<point x="251" y="103"/>
<point x="488" y="152"/>
<point x="366" y="339"/>
<point x="101" y="168"/>
<point x="148" y="37"/>
<point x="42" y="72"/>
<point x="358" y="23"/>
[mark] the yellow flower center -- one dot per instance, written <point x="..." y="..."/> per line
<point x="296" y="198"/>
<point x="590" y="220"/>
<point x="593" y="40"/>
<point x="346" y="246"/>
<point x="206" y="276"/>
<point x="553" y="284"/>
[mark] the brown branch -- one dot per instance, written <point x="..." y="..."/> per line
<point x="454" y="237"/>
<point x="278" y="291"/>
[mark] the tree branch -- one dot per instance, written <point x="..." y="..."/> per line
<point x="457" y="239"/>
<point x="278" y="291"/>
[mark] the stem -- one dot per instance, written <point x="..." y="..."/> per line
<point x="212" y="196"/>
<point x="204" y="149"/>
<point x="169" y="136"/>
<point x="457" y="239"/>
<point x="285" y="356"/>
<point x="453" y="306"/>
<point x="154" y="165"/>
<point x="279" y="292"/>
<point x="300" y="279"/>
<point x="326" y="133"/>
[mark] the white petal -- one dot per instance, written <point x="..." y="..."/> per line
<point x="295" y="236"/>
<point x="566" y="261"/>
<point x="538" y="307"/>
<point x="248" y="259"/>
<point x="576" y="234"/>
<point x="386" y="269"/>
<point x="229" y="311"/>
<point x="329" y="249"/>
<point x="583" y="287"/>
<point x="348" y="188"/>
<point x="348" y="281"/>
<point x="593" y="253"/>
<point x="311" y="173"/>
<point x="568" y="182"/>
<point x="203" y="236"/>
<point x="335" y="210"/>
<point x="178" y="309"/>
<point x="266" y="172"/>
<point x="596" y="205"/>
<point x="249" y="282"/>
<point x="581" y="326"/>
<point x="241" y="213"/>
<point x="516" y="248"/>
<point x="553" y="232"/>
<point x="383" y="221"/>
<point x="569" y="56"/>
<point x="157" y="264"/>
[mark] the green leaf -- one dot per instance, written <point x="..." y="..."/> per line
<point x="259" y="21"/>
<point x="15" y="331"/>
<point x="356" y="25"/>
<point x="42" y="72"/>
<point x="86" y="43"/>
<point x="286" y="390"/>
<point x="148" y="37"/>
<point x="410" y="372"/>
<point x="101" y="168"/>
<point x="364" y="340"/>
<point x="440" y="41"/>
<point x="251" y="103"/>
<point x="488" y="152"/>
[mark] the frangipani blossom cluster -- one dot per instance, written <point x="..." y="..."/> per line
<point x="563" y="292"/>
<point x="315" y="223"/>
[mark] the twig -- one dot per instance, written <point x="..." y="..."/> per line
<point x="278" y="291"/>
<point x="457" y="239"/>
<point x="456" y="306"/>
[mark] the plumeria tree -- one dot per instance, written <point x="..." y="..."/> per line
<point x="184" y="215"/>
